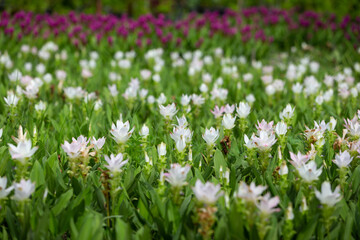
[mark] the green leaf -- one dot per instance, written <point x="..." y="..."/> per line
<point x="37" y="174"/>
<point x="62" y="202"/>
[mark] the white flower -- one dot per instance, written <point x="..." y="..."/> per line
<point x="113" y="90"/>
<point x="309" y="172"/>
<point x="331" y="125"/>
<point x="176" y="176"/>
<point x="144" y="131"/>
<point x="23" y="189"/>
<point x="298" y="159"/>
<point x="98" y="144"/>
<point x="185" y="100"/>
<point x="115" y="163"/>
<point x="228" y="121"/>
<point x="3" y="190"/>
<point x="121" y="131"/>
<point x="198" y="100"/>
<point x="281" y="128"/>
<point x="265" y="140"/>
<point x="343" y="159"/>
<point x="210" y="136"/>
<point x="243" y="110"/>
<point x="22" y="151"/>
<point x="250" y="193"/>
<point x="326" y="196"/>
<point x="180" y="144"/>
<point x="11" y="100"/>
<point x="287" y="113"/>
<point x="74" y="92"/>
<point x="284" y="170"/>
<point x="249" y="143"/>
<point x="207" y="193"/>
<point x="1" y="133"/>
<point x="15" y="75"/>
<point x="169" y="111"/>
<point x="161" y="149"/>
<point x="267" y="205"/>
<point x="40" y="106"/>
<point x="289" y="213"/>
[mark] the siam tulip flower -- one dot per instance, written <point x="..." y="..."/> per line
<point x="41" y="106"/>
<point x="113" y="90"/>
<point x="264" y="126"/>
<point x="353" y="126"/>
<point x="343" y="159"/>
<point x="210" y="136"/>
<point x="144" y="131"/>
<point x="176" y="175"/>
<point x="331" y="125"/>
<point x="243" y="110"/>
<point x="249" y="143"/>
<point x="1" y="133"/>
<point x="281" y="128"/>
<point x="265" y="140"/>
<point x="121" y="131"/>
<point x="74" y="92"/>
<point x="229" y="109"/>
<point x="169" y="111"/>
<point x="185" y="100"/>
<point x="284" y="170"/>
<point x="3" y="190"/>
<point x="23" y="189"/>
<point x="218" y="112"/>
<point x="182" y="122"/>
<point x="22" y="151"/>
<point x="228" y="121"/>
<point x="287" y="113"/>
<point x="161" y="99"/>
<point x="161" y="149"/>
<point x="98" y="144"/>
<point x="250" y="193"/>
<point x="198" y="100"/>
<point x="309" y="172"/>
<point x="180" y="144"/>
<point x="115" y="163"/>
<point x="203" y="88"/>
<point x="77" y="148"/>
<point x="207" y="193"/>
<point x="15" y="75"/>
<point x="11" y="100"/>
<point x="250" y="98"/>
<point x="298" y="159"/>
<point x="326" y="196"/>
<point x="267" y="205"/>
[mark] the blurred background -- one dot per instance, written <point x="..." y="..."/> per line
<point x="175" y="8"/>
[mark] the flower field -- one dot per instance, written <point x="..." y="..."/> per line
<point x="239" y="125"/>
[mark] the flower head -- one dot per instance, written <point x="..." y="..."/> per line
<point x="343" y="159"/>
<point x="309" y="172"/>
<point x="267" y="204"/>
<point x="243" y="110"/>
<point x="326" y="196"/>
<point x="3" y="190"/>
<point x="210" y="136"/>
<point x="23" y="189"/>
<point x="228" y="121"/>
<point x="121" y="131"/>
<point x="22" y="151"/>
<point x="115" y="163"/>
<point x="176" y="175"/>
<point x="169" y="111"/>
<point x="250" y="193"/>
<point x="207" y="193"/>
